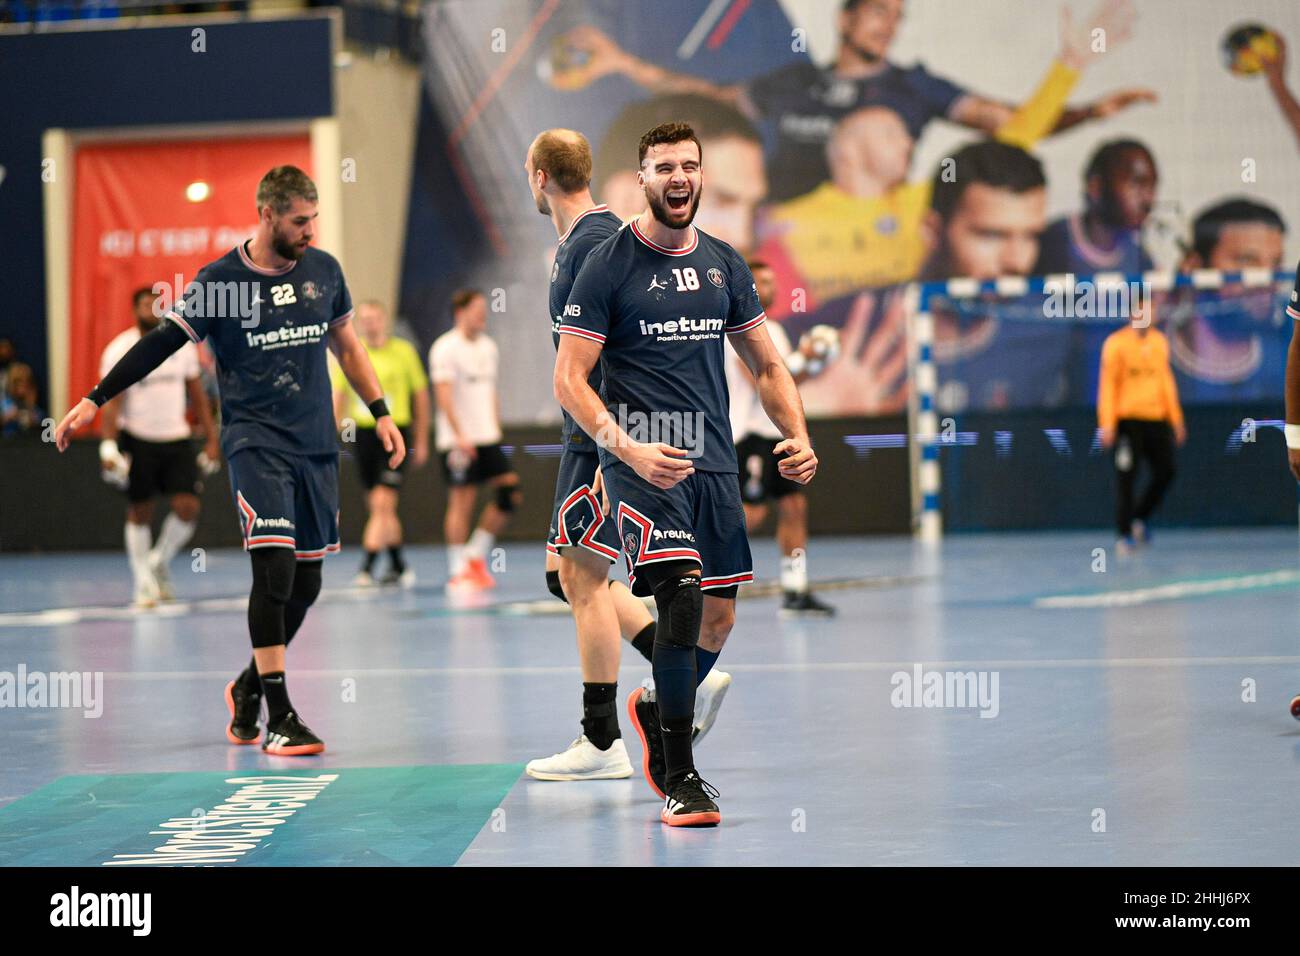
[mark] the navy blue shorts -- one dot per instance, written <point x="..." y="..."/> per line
<point x="699" y="519"/>
<point x="576" y="519"/>
<point x="287" y="501"/>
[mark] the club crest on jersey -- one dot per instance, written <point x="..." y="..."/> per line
<point x="309" y="290"/>
<point x="715" y="276"/>
<point x="630" y="544"/>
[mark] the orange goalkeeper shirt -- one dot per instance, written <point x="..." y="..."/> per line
<point x="1136" y="380"/>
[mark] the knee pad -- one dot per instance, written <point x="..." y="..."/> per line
<point x="553" y="585"/>
<point x="681" y="608"/>
<point x="508" y="498"/>
<point x="273" y="574"/>
<point x="306" y="583"/>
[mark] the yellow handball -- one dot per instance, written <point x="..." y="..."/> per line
<point x="1248" y="48"/>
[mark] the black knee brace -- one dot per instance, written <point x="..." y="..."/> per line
<point x="273" y="574"/>
<point x="306" y="583"/>
<point x="553" y="585"/>
<point x="508" y="498"/>
<point x="306" y="588"/>
<point x="681" y="609"/>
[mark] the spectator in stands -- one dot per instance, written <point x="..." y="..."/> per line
<point x="19" y="412"/>
<point x="7" y="359"/>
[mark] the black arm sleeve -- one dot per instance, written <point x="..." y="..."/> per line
<point x="145" y="356"/>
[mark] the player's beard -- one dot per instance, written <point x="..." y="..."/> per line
<point x="660" y="209"/>
<point x="286" y="249"/>
<point x="543" y="205"/>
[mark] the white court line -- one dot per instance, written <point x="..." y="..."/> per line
<point x="59" y="616"/>
<point x="1170" y="592"/>
<point x="824" y="666"/>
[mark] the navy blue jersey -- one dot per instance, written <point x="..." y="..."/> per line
<point x="1293" y="306"/>
<point x="803" y="102"/>
<point x="586" y="232"/>
<point x="1064" y="247"/>
<point x="660" y="316"/>
<point x="269" y="331"/>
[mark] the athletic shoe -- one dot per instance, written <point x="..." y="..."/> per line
<point x="146" y="594"/>
<point x="291" y="738"/>
<point x="477" y="568"/>
<point x="708" y="701"/>
<point x="691" y="804"/>
<point x="1141" y="535"/>
<point x="473" y="576"/>
<point x="245" y="708"/>
<point x="583" y="761"/>
<point x="1124" y="547"/>
<point x="644" y="714"/>
<point x="161" y="578"/>
<point x="804" y="605"/>
<point x="406" y="579"/>
<point x="364" y="579"/>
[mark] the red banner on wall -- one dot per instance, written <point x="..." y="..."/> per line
<point x="147" y="213"/>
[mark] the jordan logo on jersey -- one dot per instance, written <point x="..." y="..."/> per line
<point x="656" y="284"/>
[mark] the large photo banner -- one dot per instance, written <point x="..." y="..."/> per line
<point x="857" y="146"/>
<point x="151" y="214"/>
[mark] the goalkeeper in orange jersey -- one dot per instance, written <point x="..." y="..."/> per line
<point x="1139" y="416"/>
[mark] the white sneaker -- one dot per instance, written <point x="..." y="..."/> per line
<point x="583" y="761"/>
<point x="363" y="580"/>
<point x="708" y="701"/>
<point x="161" y="578"/>
<point x="407" y="579"/>
<point x="146" y="594"/>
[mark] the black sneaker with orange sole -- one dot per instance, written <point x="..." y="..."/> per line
<point x="690" y="804"/>
<point x="245" y="709"/>
<point x="290" y="737"/>
<point x="644" y="714"/>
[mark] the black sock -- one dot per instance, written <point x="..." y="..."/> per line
<point x="645" y="641"/>
<point x="704" y="661"/>
<point x="368" y="563"/>
<point x="248" y="679"/>
<point x="678" y="759"/>
<point x="600" y="714"/>
<point x="674" y="671"/>
<point x="395" y="556"/>
<point x="277" y="697"/>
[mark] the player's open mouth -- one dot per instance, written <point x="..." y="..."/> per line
<point x="678" y="199"/>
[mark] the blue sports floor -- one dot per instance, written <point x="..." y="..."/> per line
<point x="1136" y="714"/>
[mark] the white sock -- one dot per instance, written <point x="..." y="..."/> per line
<point x="455" y="559"/>
<point x="172" y="537"/>
<point x="480" y="543"/>
<point x="794" y="573"/>
<point x="138" y="539"/>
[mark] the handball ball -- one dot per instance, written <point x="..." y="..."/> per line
<point x="825" y="342"/>
<point x="1248" y="48"/>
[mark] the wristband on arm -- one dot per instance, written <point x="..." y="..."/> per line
<point x="379" y="408"/>
<point x="1292" y="433"/>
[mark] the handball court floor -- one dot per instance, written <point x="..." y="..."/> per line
<point x="1140" y="715"/>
